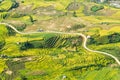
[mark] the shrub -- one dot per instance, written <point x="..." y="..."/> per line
<point x="115" y="37"/>
<point x="32" y="44"/>
<point x="91" y="41"/>
<point x="74" y="14"/>
<point x="26" y="45"/>
<point x="23" y="78"/>
<point x="11" y="32"/>
<point x="96" y="8"/>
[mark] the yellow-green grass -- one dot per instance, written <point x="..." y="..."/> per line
<point x="58" y="4"/>
<point x="53" y="65"/>
<point x="110" y="31"/>
<point x="104" y="74"/>
<point x="103" y="46"/>
<point x="3" y="30"/>
<point x="55" y="61"/>
<point x="42" y="17"/>
<point x="95" y="31"/>
<point x="2" y="65"/>
<point x="6" y="5"/>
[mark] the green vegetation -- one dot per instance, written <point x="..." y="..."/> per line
<point x="7" y="5"/>
<point x="3" y="35"/>
<point x="96" y="8"/>
<point x="3" y="30"/>
<point x="105" y="74"/>
<point x="56" y="56"/>
<point x="53" y="41"/>
<point x="2" y="42"/>
<point x="4" y="15"/>
<point x="77" y="26"/>
<point x="106" y="39"/>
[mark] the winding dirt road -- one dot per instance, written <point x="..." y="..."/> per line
<point x="80" y="34"/>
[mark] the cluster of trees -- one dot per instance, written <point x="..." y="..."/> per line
<point x="113" y="38"/>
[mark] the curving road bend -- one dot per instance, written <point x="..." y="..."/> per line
<point x="80" y="34"/>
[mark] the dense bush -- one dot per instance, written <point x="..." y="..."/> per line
<point x="14" y="4"/>
<point x="91" y="41"/>
<point x="11" y="32"/>
<point x="96" y="8"/>
<point x="115" y="37"/>
<point x="32" y="44"/>
<point x="26" y="45"/>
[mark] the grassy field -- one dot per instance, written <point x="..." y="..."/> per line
<point x="53" y="63"/>
<point x="50" y="56"/>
